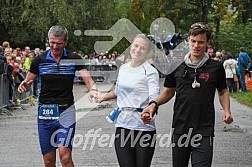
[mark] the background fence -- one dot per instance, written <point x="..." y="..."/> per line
<point x="10" y="98"/>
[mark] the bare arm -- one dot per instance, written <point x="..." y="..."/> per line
<point x="89" y="84"/>
<point x="26" y="83"/>
<point x="87" y="79"/>
<point x="105" y="96"/>
<point x="163" y="98"/>
<point x="225" y="103"/>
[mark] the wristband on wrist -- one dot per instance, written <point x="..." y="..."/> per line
<point x="156" y="106"/>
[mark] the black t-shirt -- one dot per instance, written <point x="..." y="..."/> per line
<point x="56" y="78"/>
<point x="194" y="107"/>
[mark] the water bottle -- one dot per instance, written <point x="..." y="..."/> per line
<point x="113" y="115"/>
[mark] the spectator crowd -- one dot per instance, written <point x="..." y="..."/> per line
<point x="237" y="70"/>
<point x="15" y="62"/>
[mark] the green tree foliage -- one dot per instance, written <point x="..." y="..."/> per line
<point x="9" y="20"/>
<point x="100" y="15"/>
<point x="232" y="29"/>
<point x="39" y="16"/>
<point x="233" y="36"/>
<point x="26" y="22"/>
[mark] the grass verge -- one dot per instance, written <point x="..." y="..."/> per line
<point x="243" y="97"/>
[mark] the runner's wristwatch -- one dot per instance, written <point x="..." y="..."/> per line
<point x="156" y="106"/>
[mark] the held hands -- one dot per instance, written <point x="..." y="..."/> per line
<point x="92" y="94"/>
<point x="100" y="97"/>
<point x="148" y="113"/>
<point x="96" y="95"/>
<point x="24" y="86"/>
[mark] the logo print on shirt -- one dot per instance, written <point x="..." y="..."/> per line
<point x="204" y="76"/>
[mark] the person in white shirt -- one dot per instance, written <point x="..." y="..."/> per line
<point x="136" y="87"/>
<point x="230" y="66"/>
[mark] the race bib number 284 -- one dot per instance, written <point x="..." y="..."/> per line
<point x="48" y="111"/>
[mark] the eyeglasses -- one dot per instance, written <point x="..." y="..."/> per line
<point x="199" y="25"/>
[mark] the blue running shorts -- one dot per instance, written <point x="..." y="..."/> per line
<point x="52" y="134"/>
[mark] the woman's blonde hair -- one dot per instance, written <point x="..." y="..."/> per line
<point x="144" y="37"/>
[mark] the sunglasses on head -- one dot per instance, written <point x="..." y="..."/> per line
<point x="199" y="25"/>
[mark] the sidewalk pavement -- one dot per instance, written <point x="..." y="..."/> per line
<point x="20" y="148"/>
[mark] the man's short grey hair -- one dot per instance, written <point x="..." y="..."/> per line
<point x="58" y="31"/>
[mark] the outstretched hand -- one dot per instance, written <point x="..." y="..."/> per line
<point x="24" y="86"/>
